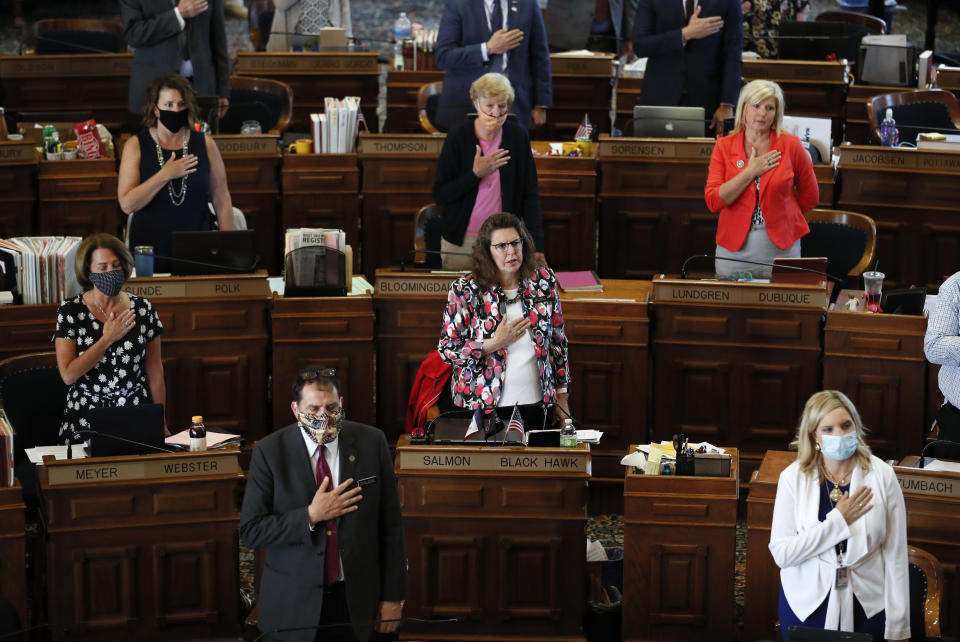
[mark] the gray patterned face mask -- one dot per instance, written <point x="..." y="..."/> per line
<point x="110" y="283"/>
<point x="323" y="428"/>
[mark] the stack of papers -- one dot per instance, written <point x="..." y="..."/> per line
<point x="335" y="130"/>
<point x="582" y="281"/>
<point x="43" y="266"/>
<point x="214" y="439"/>
<point x="298" y="237"/>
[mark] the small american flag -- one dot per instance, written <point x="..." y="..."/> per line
<point x="515" y="427"/>
<point x="585" y="130"/>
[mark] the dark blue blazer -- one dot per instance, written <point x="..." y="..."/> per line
<point x="463" y="28"/>
<point x="708" y="69"/>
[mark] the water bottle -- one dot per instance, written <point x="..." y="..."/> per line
<point x="198" y="434"/>
<point x="568" y="435"/>
<point x="401" y="32"/>
<point x="889" y="136"/>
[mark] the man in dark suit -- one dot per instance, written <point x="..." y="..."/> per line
<point x="187" y="37"/>
<point x="693" y="49"/>
<point x="335" y="554"/>
<point x="506" y="36"/>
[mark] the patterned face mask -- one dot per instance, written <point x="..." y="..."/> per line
<point x="110" y="283"/>
<point x="323" y="428"/>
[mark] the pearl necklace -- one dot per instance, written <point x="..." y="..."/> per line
<point x="175" y="197"/>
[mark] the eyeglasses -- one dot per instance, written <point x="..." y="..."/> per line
<point x="309" y="374"/>
<point x="502" y="247"/>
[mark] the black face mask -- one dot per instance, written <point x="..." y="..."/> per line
<point x="174" y="120"/>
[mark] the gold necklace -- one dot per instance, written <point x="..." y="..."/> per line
<point x="836" y="493"/>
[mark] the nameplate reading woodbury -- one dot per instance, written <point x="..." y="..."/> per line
<point x="198" y="287"/>
<point x="399" y="145"/>
<point x="235" y="145"/>
<point x="935" y="484"/>
<point x="495" y="459"/>
<point x="610" y="148"/>
<point x="329" y="62"/>
<point x="95" y="471"/>
<point x="391" y="282"/>
<point x="730" y="293"/>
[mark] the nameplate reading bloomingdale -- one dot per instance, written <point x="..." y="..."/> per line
<point x="332" y="62"/>
<point x="239" y="144"/>
<point x="213" y="286"/>
<point x="392" y="282"/>
<point x="114" y="469"/>
<point x="399" y="145"/>
<point x="896" y="159"/>
<point x="705" y="292"/>
<point x="919" y="482"/>
<point x="620" y="147"/>
<point x="574" y="461"/>
<point x="85" y="65"/>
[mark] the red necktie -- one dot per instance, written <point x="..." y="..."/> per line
<point x="689" y="8"/>
<point x="331" y="563"/>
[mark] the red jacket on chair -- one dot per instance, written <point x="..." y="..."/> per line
<point x="432" y="376"/>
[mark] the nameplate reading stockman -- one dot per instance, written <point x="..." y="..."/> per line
<point x="95" y="471"/>
<point x="917" y="482"/>
<point x="480" y="458"/>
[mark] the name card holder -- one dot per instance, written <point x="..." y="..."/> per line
<point x="399" y="144"/>
<point x="101" y="470"/>
<point x="573" y="462"/>
<point x="414" y="283"/>
<point x="708" y="292"/>
<point x="212" y="286"/>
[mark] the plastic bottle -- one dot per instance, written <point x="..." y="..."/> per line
<point x="401" y="32"/>
<point x="198" y="434"/>
<point x="889" y="136"/>
<point x="568" y="435"/>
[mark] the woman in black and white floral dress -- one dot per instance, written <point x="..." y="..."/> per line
<point x="107" y="341"/>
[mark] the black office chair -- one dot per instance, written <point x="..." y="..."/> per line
<point x="427" y="227"/>
<point x="916" y="111"/>
<point x="267" y="101"/>
<point x="847" y="239"/>
<point x="925" y="577"/>
<point x="428" y="97"/>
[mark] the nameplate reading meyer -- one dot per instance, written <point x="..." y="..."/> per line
<point x="731" y="293"/>
<point x="516" y="460"/>
<point x="87" y="65"/>
<point x="399" y="145"/>
<point x="210" y="287"/>
<point x="886" y="158"/>
<point x="310" y="62"/>
<point x="391" y="282"/>
<point x="94" y="471"/>
<point x="654" y="148"/>
<point x="915" y="481"/>
<point x="239" y="144"/>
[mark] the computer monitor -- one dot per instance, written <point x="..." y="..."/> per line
<point x="652" y="121"/>
<point x="127" y="430"/>
<point x="213" y="252"/>
<point x="819" y="40"/>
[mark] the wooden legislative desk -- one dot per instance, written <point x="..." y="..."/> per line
<point x="652" y="209"/>
<point x="678" y="555"/>
<point x="143" y="547"/>
<point x="933" y="521"/>
<point x="253" y="176"/>
<point x="581" y="85"/>
<point x="402" y="90"/>
<point x="911" y="195"/>
<point x="96" y="82"/>
<point x="734" y="363"/>
<point x="13" y="551"/>
<point x="78" y="197"/>
<point x="314" y="76"/>
<point x="18" y="188"/>
<point x="322" y="190"/>
<point x="858" y="130"/>
<point x="495" y="536"/>
<point x="332" y="332"/>
<point x="948" y="78"/>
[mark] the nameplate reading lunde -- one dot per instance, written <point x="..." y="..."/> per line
<point x="653" y="148"/>
<point x="307" y="62"/>
<point x="731" y="293"/>
<point x="198" y="287"/>
<point x="399" y="145"/>
<point x="901" y="158"/>
<point x="496" y="459"/>
<point x="391" y="282"/>
<point x="239" y="144"/>
<point x="917" y="482"/>
<point x="82" y="65"/>
<point x="113" y="469"/>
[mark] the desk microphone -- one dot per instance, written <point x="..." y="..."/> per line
<point x="935" y="442"/>
<point x="69" y="447"/>
<point x="683" y="268"/>
<point x="242" y="270"/>
<point x="576" y="422"/>
<point x="406" y="258"/>
<point x="97" y="433"/>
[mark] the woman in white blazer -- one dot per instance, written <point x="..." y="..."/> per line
<point x="283" y="30"/>
<point x="839" y="532"/>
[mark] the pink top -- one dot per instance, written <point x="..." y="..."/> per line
<point x="489" y="200"/>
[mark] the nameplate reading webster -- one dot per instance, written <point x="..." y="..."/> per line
<point x="515" y="460"/>
<point x="96" y="471"/>
<point x="654" y="148"/>
<point x="730" y="293"/>
<point x="309" y="62"/>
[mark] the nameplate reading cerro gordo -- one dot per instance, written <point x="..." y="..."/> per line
<point x="92" y="471"/>
<point x="555" y="460"/>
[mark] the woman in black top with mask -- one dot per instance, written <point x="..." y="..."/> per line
<point x="169" y="172"/>
<point x="107" y="341"/>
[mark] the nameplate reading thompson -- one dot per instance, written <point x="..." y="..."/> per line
<point x="654" y="148"/>
<point x="916" y="482"/>
<point x="399" y="145"/>
<point x="239" y="144"/>
<point x="413" y="284"/>
<point x="515" y="460"/>
<point x="211" y="287"/>
<point x="730" y="293"/>
<point x="311" y="62"/>
<point x="95" y="471"/>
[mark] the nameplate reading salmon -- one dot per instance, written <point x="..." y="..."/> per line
<point x="516" y="460"/>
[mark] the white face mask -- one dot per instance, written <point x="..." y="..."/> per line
<point x="839" y="447"/>
<point x="488" y="120"/>
<point x="323" y="428"/>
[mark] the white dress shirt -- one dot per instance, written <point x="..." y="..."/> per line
<point x="803" y="548"/>
<point x="332" y="457"/>
<point x="521" y="378"/>
<point x="941" y="344"/>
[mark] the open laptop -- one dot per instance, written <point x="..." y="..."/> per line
<point x="652" y="121"/>
<point x="127" y="430"/>
<point x="214" y="252"/>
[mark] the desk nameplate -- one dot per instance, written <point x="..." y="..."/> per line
<point x="881" y="158"/>
<point x="575" y="461"/>
<point x="83" y="65"/>
<point x="731" y="293"/>
<point x="680" y="148"/>
<point x="400" y="145"/>
<point x="393" y="283"/>
<point x="821" y="72"/>
<point x="193" y="287"/>
<point x="240" y="144"/>
<point x="312" y="62"/>
<point x="96" y="471"/>
<point x="917" y="481"/>
<point x="582" y="65"/>
<point x="18" y="152"/>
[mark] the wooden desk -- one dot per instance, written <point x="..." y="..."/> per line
<point x="948" y="78"/>
<point x="733" y="372"/>
<point x="629" y="88"/>
<point x="495" y="537"/>
<point x="97" y="82"/>
<point x="143" y="546"/>
<point x="315" y="76"/>
<point x="78" y="197"/>
<point x="323" y="190"/>
<point x="402" y="90"/>
<point x="858" y="130"/>
<point x="13" y="551"/>
<point x="933" y="520"/>
<point x="18" y="188"/>
<point x="581" y="85"/>
<point x="334" y="332"/>
<point x="398" y="172"/>
<point x="910" y="195"/>
<point x="253" y="176"/>
<point x="678" y="555"/>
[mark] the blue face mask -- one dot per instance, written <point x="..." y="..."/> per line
<point x="839" y="447"/>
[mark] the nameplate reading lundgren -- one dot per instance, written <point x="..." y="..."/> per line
<point x="496" y="459"/>
<point x="95" y="471"/>
<point x="307" y="62"/>
<point x="238" y="144"/>
<point x="399" y="145"/>
<point x="731" y="293"/>
<point x="391" y="282"/>
<point x="918" y="482"/>
<point x="653" y="148"/>
<point x="206" y="287"/>
<point x="83" y="65"/>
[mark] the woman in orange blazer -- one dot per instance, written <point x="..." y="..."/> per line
<point x="761" y="182"/>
